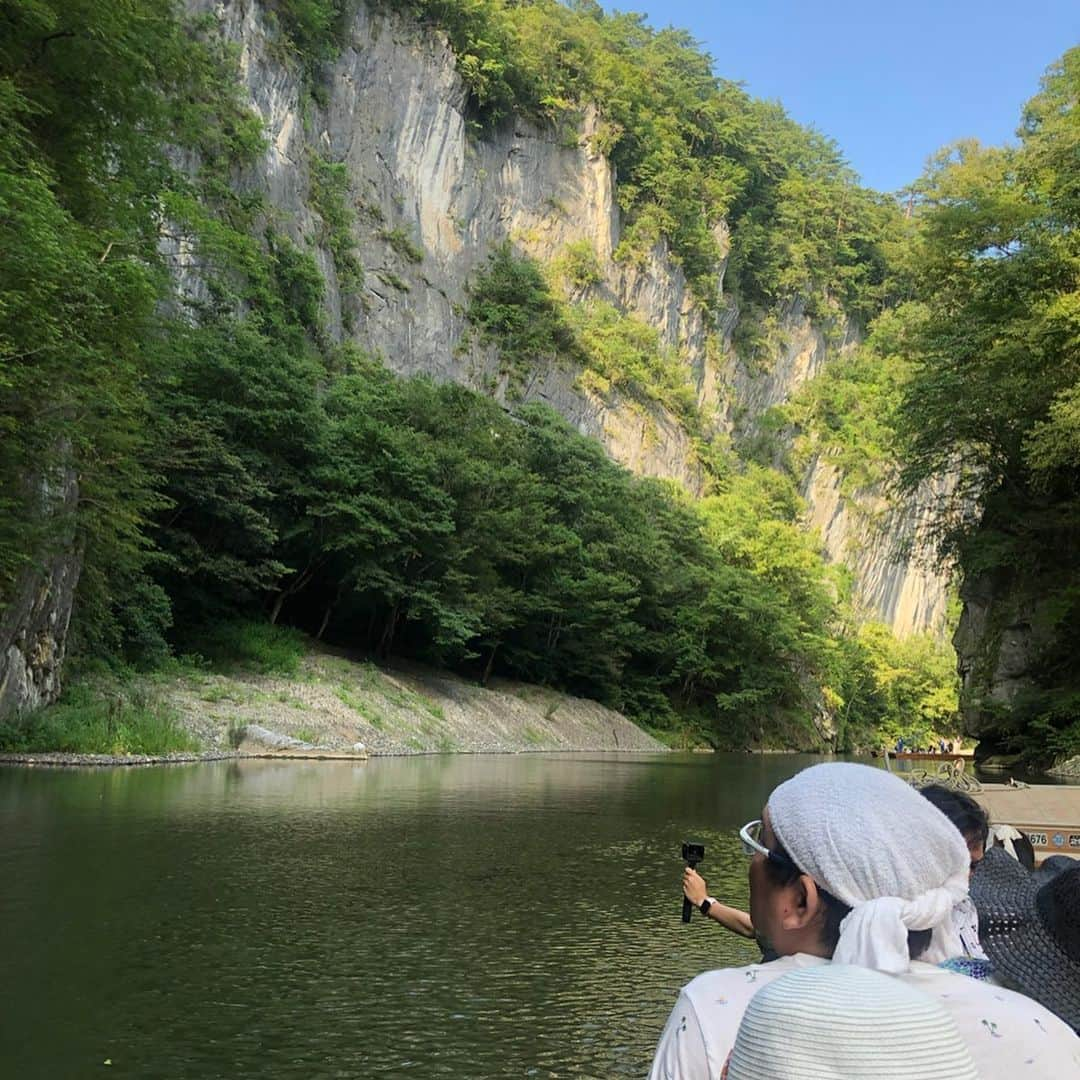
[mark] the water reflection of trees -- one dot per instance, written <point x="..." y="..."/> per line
<point x="473" y="915"/>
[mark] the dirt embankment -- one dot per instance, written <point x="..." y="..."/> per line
<point x="339" y="703"/>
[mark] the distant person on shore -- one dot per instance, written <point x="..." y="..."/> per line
<point x="963" y="811"/>
<point x="850" y="864"/>
<point x="846" y="1022"/>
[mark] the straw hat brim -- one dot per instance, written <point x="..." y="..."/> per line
<point x="1053" y="865"/>
<point x="1019" y="945"/>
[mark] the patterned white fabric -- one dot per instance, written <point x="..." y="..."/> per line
<point x="876" y="844"/>
<point x="966" y="924"/>
<point x="1009" y="1036"/>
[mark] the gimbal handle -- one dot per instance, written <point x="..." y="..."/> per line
<point x="687" y="906"/>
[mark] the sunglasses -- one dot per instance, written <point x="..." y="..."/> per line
<point x="750" y="835"/>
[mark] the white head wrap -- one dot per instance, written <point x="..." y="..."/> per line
<point x="876" y="844"/>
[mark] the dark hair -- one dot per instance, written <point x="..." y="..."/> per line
<point x="962" y="810"/>
<point x="784" y="872"/>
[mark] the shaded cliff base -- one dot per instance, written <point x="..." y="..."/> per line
<point x="327" y="701"/>
<point x="1068" y="769"/>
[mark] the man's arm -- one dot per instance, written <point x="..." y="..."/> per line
<point x="696" y="890"/>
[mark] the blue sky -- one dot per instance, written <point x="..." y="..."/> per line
<point x="891" y="83"/>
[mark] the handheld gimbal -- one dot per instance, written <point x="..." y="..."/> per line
<point x="692" y="854"/>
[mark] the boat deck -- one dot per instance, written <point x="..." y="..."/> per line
<point x="1049" y="814"/>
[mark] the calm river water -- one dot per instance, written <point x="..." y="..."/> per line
<point x="455" y="916"/>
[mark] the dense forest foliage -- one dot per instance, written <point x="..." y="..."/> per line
<point x="975" y="376"/>
<point x="233" y="462"/>
<point x="994" y="396"/>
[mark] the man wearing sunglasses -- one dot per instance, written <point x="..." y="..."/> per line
<point x="960" y="809"/>
<point x="850" y="864"/>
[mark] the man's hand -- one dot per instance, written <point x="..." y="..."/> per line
<point x="694" y="887"/>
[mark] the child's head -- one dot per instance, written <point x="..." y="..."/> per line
<point x="965" y="813"/>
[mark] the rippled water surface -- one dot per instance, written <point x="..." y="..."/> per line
<point x="446" y="917"/>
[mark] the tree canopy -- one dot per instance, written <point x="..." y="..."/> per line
<point x="994" y="336"/>
<point x="234" y="463"/>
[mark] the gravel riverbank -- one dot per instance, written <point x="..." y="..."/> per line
<point x="58" y="759"/>
<point x="337" y="703"/>
<point x="353" y="708"/>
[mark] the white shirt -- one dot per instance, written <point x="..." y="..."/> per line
<point x="1009" y="1036"/>
<point x="965" y="918"/>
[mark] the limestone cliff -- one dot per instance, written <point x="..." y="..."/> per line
<point x="900" y="578"/>
<point x="395" y="115"/>
<point x="34" y="622"/>
<point x="432" y="199"/>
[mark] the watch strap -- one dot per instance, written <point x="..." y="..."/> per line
<point x="705" y="904"/>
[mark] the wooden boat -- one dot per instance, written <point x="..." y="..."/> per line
<point x="1047" y="814"/>
<point x="921" y="755"/>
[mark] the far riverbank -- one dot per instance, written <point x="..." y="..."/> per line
<point x="316" y="700"/>
<point x="341" y="704"/>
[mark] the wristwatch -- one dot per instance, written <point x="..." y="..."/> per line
<point x="705" y="904"/>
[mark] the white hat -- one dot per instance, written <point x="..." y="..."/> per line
<point x="877" y="845"/>
<point x="834" y="1022"/>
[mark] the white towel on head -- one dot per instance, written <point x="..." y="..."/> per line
<point x="876" y="844"/>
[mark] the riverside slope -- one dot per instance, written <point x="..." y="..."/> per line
<point x="336" y="702"/>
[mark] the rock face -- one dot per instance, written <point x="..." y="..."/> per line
<point x="432" y="201"/>
<point x="900" y="579"/>
<point x="1005" y="629"/>
<point x="34" y="624"/>
<point x="395" y="116"/>
<point x="1069" y="769"/>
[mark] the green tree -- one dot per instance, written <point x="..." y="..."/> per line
<point x="997" y="366"/>
<point x="241" y="425"/>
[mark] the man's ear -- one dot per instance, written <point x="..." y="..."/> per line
<point x="804" y="904"/>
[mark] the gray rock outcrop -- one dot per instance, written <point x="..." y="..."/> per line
<point x="34" y="621"/>
<point x="395" y="116"/>
<point x="1004" y="631"/>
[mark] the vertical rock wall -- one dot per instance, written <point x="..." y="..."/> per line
<point x="900" y="580"/>
<point x="1006" y="629"/>
<point x="395" y="115"/>
<point x="34" y="623"/>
